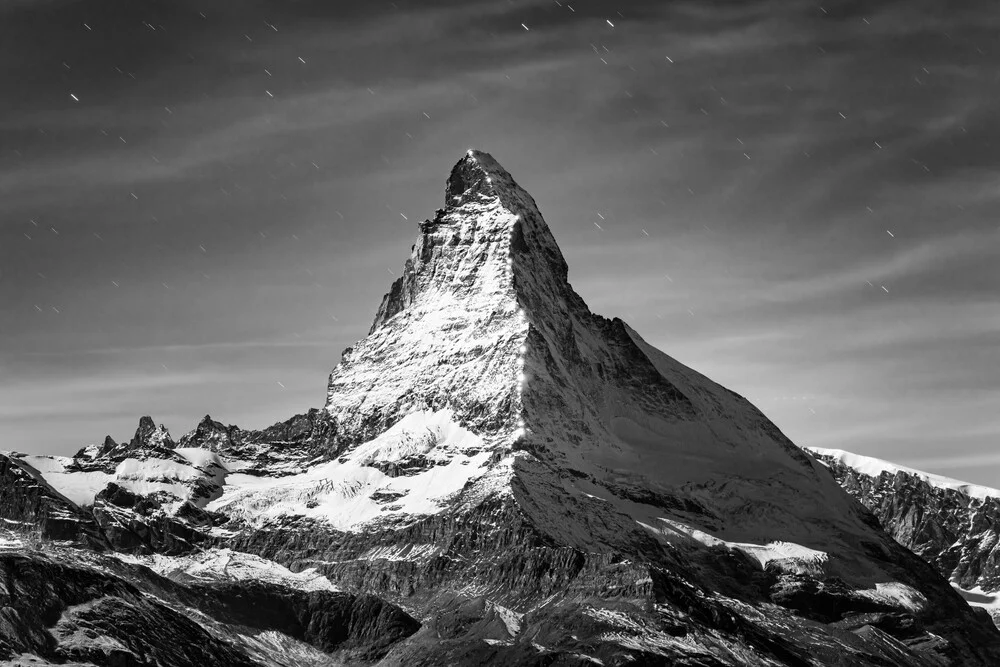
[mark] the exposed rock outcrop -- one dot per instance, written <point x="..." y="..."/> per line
<point x="30" y="506"/>
<point x="952" y="525"/>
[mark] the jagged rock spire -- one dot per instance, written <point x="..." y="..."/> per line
<point x="148" y="435"/>
<point x="108" y="445"/>
<point x="209" y="434"/>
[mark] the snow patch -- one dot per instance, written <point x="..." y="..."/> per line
<point x="402" y="552"/>
<point x="977" y="597"/>
<point x="205" y="459"/>
<point x="779" y="551"/>
<point x="788" y="556"/>
<point x="79" y="487"/>
<point x="148" y="476"/>
<point x="896" y="594"/>
<point x="511" y="619"/>
<point x="229" y="565"/>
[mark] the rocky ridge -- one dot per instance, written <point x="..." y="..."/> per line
<point x="952" y="525"/>
<point x="533" y="483"/>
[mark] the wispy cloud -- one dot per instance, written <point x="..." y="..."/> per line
<point x="896" y="265"/>
<point x="748" y="160"/>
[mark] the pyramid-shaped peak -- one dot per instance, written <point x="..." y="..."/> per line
<point x="476" y="174"/>
<point x="489" y="244"/>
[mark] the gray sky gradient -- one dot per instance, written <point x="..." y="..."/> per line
<point x="799" y="200"/>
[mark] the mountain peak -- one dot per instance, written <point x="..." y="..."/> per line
<point x="148" y="435"/>
<point x="476" y="174"/>
<point x="484" y="325"/>
<point x="209" y="434"/>
<point x="489" y="232"/>
<point x="469" y="271"/>
<point x="493" y="442"/>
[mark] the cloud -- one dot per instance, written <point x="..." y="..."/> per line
<point x="31" y="399"/>
<point x="752" y="189"/>
<point x="908" y="262"/>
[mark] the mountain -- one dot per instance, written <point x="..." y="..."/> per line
<point x="498" y="476"/>
<point x="953" y="525"/>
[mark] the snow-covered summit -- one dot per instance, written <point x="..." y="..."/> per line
<point x="449" y="332"/>
<point x="570" y="405"/>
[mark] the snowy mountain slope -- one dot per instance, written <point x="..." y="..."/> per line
<point x="30" y="505"/>
<point x="411" y="469"/>
<point x="533" y="482"/>
<point x="952" y="525"/>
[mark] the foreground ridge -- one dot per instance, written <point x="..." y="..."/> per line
<point x="497" y="475"/>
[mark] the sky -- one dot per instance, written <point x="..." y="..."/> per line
<point x="202" y="203"/>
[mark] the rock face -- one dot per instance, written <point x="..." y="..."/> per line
<point x="952" y="525"/>
<point x="59" y="607"/>
<point x="533" y="482"/>
<point x="31" y="506"/>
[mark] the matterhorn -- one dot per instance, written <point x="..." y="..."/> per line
<point x="498" y="476"/>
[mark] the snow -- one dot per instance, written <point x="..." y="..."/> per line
<point x="229" y="565"/>
<point x="633" y="634"/>
<point x="46" y="464"/>
<point x="977" y="597"/>
<point x="202" y="458"/>
<point x="340" y="492"/>
<point x="787" y="555"/>
<point x="174" y="477"/>
<point x="682" y="437"/>
<point x="149" y="476"/>
<point x="79" y="487"/>
<point x="645" y="437"/>
<point x="897" y="594"/>
<point x="875" y="467"/>
<point x="402" y="552"/>
<point x="457" y="337"/>
<point x="279" y="650"/>
<point x="779" y="551"/>
<point x="511" y="619"/>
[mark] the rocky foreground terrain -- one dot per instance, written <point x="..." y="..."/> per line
<point x="498" y="476"/>
<point x="952" y="525"/>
